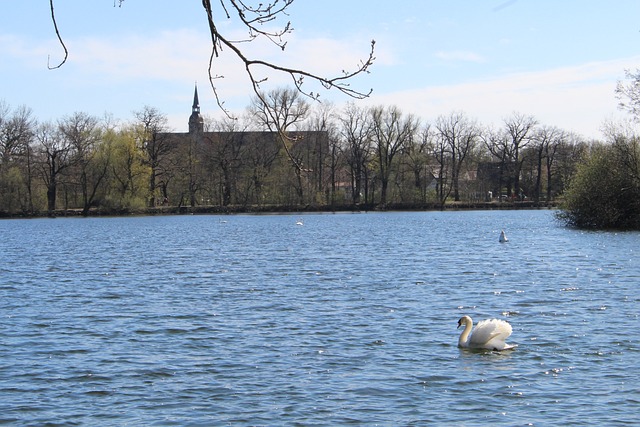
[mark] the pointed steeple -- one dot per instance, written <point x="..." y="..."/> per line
<point x="196" y="122"/>
<point x="196" y="104"/>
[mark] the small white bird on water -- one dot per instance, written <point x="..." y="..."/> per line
<point x="503" y="237"/>
<point x="489" y="334"/>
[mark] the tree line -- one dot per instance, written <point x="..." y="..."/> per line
<point x="375" y="156"/>
<point x="352" y="156"/>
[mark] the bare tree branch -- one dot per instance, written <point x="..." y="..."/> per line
<point x="55" y="26"/>
<point x="253" y="16"/>
<point x="628" y="93"/>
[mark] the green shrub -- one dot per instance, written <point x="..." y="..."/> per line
<point x="605" y="191"/>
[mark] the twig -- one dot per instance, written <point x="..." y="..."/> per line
<point x="55" y="26"/>
<point x="260" y="15"/>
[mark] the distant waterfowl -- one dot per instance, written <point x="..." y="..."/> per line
<point x="503" y="237"/>
<point x="299" y="222"/>
<point x="488" y="334"/>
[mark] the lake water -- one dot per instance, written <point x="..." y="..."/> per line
<point x="348" y="319"/>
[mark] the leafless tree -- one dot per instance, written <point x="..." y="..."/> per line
<point x="557" y="145"/>
<point x="16" y="128"/>
<point x="497" y="143"/>
<point x="417" y="155"/>
<point x="440" y="152"/>
<point x="357" y="133"/>
<point x="278" y="111"/>
<point x="520" y="129"/>
<point x="546" y="140"/>
<point x="57" y="155"/>
<point x="625" y="142"/>
<point x="460" y="136"/>
<point x="82" y="132"/>
<point x="324" y="150"/>
<point x="224" y="151"/>
<point x="628" y="93"/>
<point x="261" y="154"/>
<point x="16" y="133"/>
<point x="391" y="130"/>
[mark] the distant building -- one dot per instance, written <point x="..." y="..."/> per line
<point x="210" y="167"/>
<point x="196" y="122"/>
<point x="197" y="133"/>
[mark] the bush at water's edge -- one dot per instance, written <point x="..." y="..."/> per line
<point x="604" y="193"/>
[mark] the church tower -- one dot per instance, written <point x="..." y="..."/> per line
<point x="196" y="122"/>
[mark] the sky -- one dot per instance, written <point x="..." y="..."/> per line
<point x="556" y="60"/>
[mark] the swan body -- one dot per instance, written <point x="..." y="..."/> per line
<point x="503" y="237"/>
<point x="488" y="334"/>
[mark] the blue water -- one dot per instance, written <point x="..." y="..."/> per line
<point x="349" y="319"/>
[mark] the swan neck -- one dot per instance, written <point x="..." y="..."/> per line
<point x="464" y="336"/>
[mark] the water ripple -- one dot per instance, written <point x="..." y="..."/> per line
<point x="348" y="320"/>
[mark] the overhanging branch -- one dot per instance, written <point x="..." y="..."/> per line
<point x="55" y="26"/>
<point x="263" y="13"/>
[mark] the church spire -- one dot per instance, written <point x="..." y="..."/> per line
<point x="196" y="122"/>
<point x="196" y="104"/>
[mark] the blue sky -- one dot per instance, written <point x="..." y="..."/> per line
<point x="556" y="60"/>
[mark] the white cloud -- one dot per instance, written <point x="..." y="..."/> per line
<point x="577" y="98"/>
<point x="459" y="55"/>
<point x="168" y="55"/>
<point x="183" y="55"/>
<point x="18" y="50"/>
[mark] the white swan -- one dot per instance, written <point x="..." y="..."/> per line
<point x="503" y="237"/>
<point x="489" y="334"/>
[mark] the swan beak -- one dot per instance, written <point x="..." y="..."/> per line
<point x="459" y="324"/>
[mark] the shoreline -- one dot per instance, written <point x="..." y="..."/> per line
<point x="280" y="209"/>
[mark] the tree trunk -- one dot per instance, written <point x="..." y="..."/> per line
<point x="51" y="197"/>
<point x="226" y="189"/>
<point x="384" y="182"/>
<point x="538" y="177"/>
<point x="152" y="188"/>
